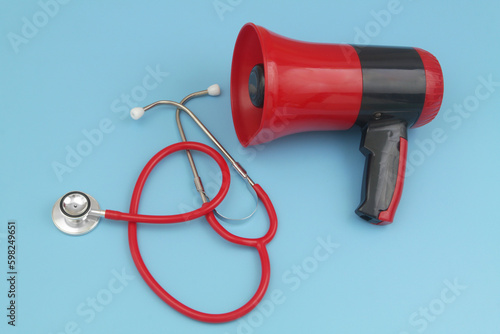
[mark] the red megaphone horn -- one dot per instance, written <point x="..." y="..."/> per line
<point x="281" y="86"/>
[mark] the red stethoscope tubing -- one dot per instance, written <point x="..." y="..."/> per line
<point x="206" y="210"/>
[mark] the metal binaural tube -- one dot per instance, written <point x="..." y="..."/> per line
<point x="197" y="179"/>
<point x="233" y="162"/>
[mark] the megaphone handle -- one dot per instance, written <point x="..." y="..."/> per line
<point x="384" y="143"/>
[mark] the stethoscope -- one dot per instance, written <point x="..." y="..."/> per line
<point x="77" y="213"/>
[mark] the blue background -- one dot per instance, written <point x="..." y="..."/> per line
<point x="71" y="73"/>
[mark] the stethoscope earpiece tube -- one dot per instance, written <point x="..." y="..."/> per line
<point x="258" y="243"/>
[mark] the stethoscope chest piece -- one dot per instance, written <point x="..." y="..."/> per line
<point x="75" y="213"/>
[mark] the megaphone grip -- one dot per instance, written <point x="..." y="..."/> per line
<point x="384" y="144"/>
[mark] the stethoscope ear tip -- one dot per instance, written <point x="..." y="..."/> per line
<point x="214" y="90"/>
<point x="137" y="113"/>
<point x="76" y="213"/>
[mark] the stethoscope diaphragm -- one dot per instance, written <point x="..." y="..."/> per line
<point x="75" y="213"/>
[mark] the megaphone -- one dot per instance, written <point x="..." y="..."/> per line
<point x="281" y="86"/>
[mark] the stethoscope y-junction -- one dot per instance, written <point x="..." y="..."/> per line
<point x="77" y="213"/>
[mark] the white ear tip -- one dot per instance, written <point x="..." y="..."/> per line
<point x="136" y="113"/>
<point x="214" y="90"/>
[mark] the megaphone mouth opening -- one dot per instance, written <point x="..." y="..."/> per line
<point x="248" y="88"/>
<point x="256" y="85"/>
